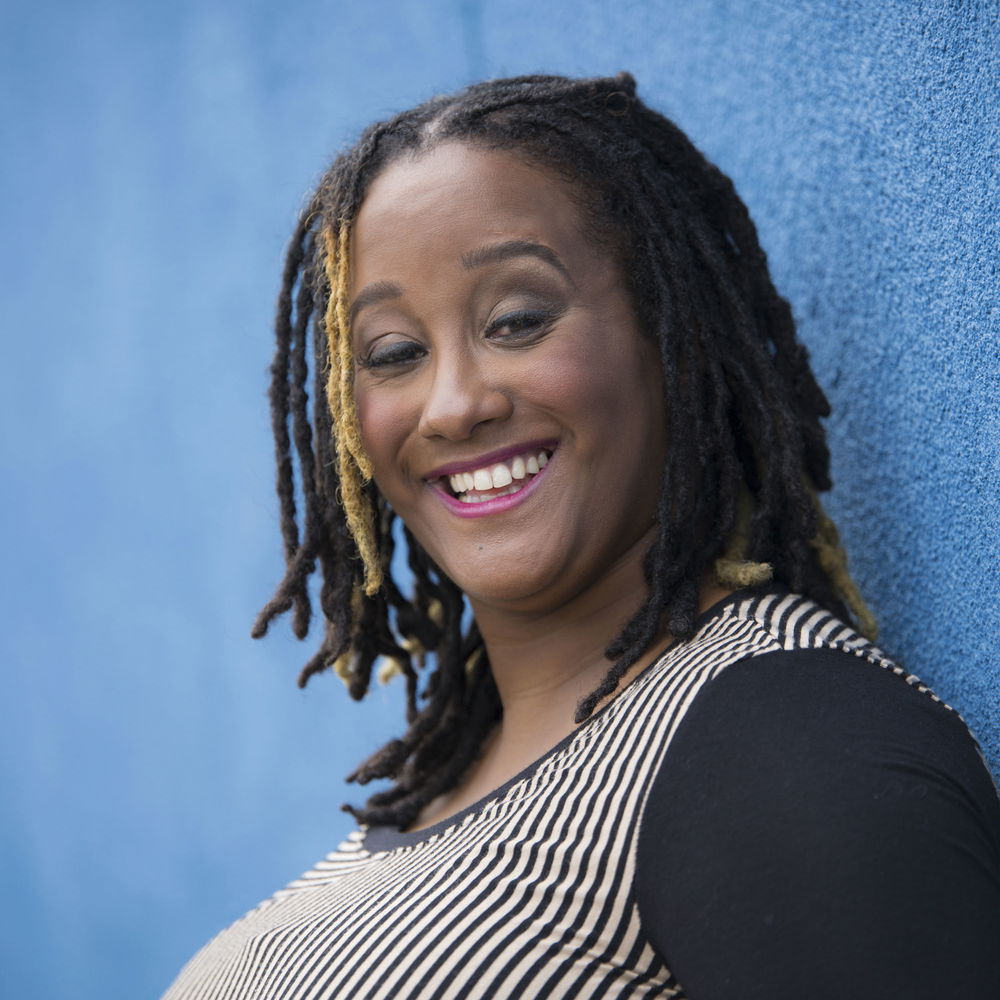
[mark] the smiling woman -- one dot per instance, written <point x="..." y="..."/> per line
<point x="511" y="340"/>
<point x="660" y="758"/>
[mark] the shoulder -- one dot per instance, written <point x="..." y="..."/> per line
<point x="823" y="722"/>
<point x="820" y="812"/>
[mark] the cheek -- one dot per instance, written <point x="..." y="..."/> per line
<point x="369" y="419"/>
<point x="382" y="427"/>
<point x="575" y="384"/>
<point x="620" y="390"/>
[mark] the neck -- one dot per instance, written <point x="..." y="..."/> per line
<point x="545" y="662"/>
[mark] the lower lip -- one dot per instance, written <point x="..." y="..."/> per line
<point x="488" y="507"/>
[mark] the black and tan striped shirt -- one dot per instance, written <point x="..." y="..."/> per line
<point x="683" y="842"/>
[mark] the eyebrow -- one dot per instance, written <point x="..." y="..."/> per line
<point x="380" y="291"/>
<point x="497" y="252"/>
<point x="377" y="291"/>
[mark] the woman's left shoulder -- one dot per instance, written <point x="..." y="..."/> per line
<point x="831" y="702"/>
<point x="828" y="722"/>
<point x="812" y="801"/>
<point x="806" y="678"/>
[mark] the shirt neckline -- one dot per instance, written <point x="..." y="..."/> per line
<point x="379" y="839"/>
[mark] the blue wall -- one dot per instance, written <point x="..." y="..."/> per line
<point x="161" y="773"/>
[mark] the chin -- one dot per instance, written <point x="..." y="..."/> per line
<point x="511" y="590"/>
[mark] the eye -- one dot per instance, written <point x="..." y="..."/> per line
<point x="385" y="356"/>
<point x="521" y="325"/>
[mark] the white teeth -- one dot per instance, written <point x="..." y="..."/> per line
<point x="496" y="477"/>
<point x="501" y="476"/>
<point x="474" y="498"/>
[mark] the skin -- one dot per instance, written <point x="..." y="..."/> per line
<point x="461" y="352"/>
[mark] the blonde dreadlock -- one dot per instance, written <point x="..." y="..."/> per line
<point x="833" y="561"/>
<point x="354" y="466"/>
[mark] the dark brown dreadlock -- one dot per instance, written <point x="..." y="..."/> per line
<point x="738" y="493"/>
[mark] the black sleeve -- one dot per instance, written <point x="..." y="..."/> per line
<point x="821" y="829"/>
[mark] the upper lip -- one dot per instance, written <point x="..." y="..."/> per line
<point x="490" y="458"/>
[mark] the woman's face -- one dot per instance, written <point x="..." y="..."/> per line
<point x="512" y="412"/>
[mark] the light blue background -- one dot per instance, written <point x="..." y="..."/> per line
<point x="161" y="772"/>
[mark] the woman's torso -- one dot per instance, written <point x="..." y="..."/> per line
<point x="529" y="892"/>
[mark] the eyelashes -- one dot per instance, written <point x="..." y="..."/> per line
<point x="398" y="353"/>
<point x="514" y="328"/>
<point x="522" y="324"/>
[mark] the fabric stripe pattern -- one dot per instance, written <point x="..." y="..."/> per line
<point x="528" y="893"/>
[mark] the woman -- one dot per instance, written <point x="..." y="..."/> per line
<point x="660" y="758"/>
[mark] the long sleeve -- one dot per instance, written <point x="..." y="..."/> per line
<point x="819" y="828"/>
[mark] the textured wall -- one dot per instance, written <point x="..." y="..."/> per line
<point x="160" y="771"/>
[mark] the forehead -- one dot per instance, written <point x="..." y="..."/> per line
<point x="455" y="198"/>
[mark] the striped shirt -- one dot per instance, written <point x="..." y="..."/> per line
<point x="530" y="892"/>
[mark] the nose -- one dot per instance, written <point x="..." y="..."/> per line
<point x="464" y="393"/>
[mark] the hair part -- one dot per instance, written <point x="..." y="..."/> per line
<point x="739" y="489"/>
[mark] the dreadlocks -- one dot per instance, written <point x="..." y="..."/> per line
<point x="747" y="457"/>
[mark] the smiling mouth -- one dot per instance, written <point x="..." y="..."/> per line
<point x="499" y="479"/>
